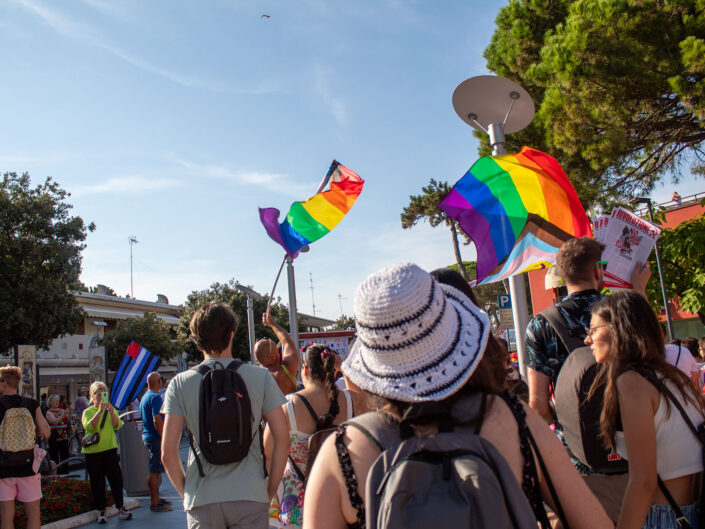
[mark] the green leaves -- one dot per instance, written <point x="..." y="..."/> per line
<point x="682" y="249"/>
<point x="40" y="262"/>
<point x="228" y="294"/>
<point x="619" y="88"/>
<point x="148" y="330"/>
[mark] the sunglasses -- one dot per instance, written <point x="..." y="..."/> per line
<point x="603" y="263"/>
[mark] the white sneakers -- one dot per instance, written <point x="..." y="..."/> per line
<point x="123" y="514"/>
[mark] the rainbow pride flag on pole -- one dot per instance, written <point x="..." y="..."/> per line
<point x="518" y="209"/>
<point x="308" y="221"/>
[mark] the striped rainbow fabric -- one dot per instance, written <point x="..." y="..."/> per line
<point x="518" y="209"/>
<point x="308" y="221"/>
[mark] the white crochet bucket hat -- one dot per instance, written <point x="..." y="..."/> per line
<point x="417" y="339"/>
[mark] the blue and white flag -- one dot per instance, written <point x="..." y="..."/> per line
<point x="132" y="375"/>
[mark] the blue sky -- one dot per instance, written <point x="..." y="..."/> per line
<point x="173" y="121"/>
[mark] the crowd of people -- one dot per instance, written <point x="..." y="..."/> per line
<point x="423" y="421"/>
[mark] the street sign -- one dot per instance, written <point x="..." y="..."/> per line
<point x="504" y="301"/>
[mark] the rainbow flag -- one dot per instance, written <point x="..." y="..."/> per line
<point x="308" y="221"/>
<point x="518" y="209"/>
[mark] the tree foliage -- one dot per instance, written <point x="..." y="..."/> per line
<point x="227" y="293"/>
<point x="619" y="87"/>
<point x="40" y="247"/>
<point x="344" y="323"/>
<point x="425" y="207"/>
<point x="682" y="249"/>
<point x="149" y="331"/>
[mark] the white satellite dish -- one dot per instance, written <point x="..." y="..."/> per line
<point x="487" y="99"/>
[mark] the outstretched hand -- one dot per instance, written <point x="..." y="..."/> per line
<point x="267" y="319"/>
<point x="640" y="277"/>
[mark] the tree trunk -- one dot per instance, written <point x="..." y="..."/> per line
<point x="456" y="249"/>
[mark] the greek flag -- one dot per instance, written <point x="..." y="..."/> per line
<point x="132" y="375"/>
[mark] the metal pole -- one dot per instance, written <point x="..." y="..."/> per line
<point x="293" y="319"/>
<point x="517" y="286"/>
<point x="669" y="322"/>
<point x="251" y="328"/>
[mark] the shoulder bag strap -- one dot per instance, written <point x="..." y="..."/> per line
<point x="554" y="317"/>
<point x="680" y="517"/>
<point x="102" y="422"/>
<point x="308" y="407"/>
<point x="661" y="387"/>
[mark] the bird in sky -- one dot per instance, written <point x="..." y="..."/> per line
<point x="265" y="16"/>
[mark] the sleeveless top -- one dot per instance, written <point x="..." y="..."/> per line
<point x="291" y="491"/>
<point x="678" y="451"/>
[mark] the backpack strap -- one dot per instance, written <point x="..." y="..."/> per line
<point x="203" y="369"/>
<point x="571" y="337"/>
<point x="310" y="409"/>
<point x="349" y="404"/>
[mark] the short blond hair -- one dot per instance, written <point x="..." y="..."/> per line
<point x="96" y="389"/>
<point x="11" y="375"/>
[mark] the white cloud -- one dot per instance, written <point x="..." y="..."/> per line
<point x="324" y="88"/>
<point x="126" y="185"/>
<point x="274" y="182"/>
<point x="74" y="30"/>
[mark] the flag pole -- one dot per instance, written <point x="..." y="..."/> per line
<point x="271" y="296"/>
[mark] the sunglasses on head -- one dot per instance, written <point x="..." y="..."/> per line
<point x="603" y="263"/>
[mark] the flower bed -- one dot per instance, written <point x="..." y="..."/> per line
<point x="63" y="498"/>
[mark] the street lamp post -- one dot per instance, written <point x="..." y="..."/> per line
<point x="250" y="316"/>
<point x="669" y="322"/>
<point x="498" y="106"/>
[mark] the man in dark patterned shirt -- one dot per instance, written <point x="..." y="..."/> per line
<point x="579" y="264"/>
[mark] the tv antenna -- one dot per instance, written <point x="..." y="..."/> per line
<point x="497" y="106"/>
<point x="133" y="240"/>
<point x="313" y="301"/>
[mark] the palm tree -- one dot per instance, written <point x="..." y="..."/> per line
<point x="425" y="207"/>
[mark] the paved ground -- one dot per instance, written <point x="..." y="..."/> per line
<point x="143" y="517"/>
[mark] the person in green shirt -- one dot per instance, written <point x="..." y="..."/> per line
<point x="101" y="458"/>
<point x="232" y="495"/>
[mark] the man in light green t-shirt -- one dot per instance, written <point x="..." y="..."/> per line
<point x="235" y="494"/>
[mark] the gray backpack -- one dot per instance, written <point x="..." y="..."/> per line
<point x="454" y="478"/>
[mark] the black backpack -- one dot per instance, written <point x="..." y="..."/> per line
<point x="224" y="416"/>
<point x="578" y="416"/>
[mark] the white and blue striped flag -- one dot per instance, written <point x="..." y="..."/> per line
<point x="132" y="375"/>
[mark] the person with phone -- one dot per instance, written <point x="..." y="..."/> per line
<point x="101" y="452"/>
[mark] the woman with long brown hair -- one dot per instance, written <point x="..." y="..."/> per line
<point x="639" y="418"/>
<point x="318" y="406"/>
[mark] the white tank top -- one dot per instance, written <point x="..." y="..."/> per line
<point x="678" y="451"/>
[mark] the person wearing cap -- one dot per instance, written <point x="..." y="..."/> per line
<point x="420" y="341"/>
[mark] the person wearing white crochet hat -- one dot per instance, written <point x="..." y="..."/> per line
<point x="420" y="341"/>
